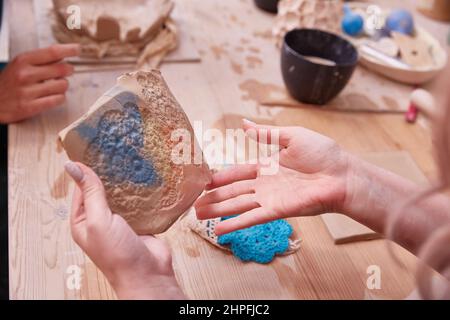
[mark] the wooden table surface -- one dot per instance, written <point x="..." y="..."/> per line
<point x="239" y="65"/>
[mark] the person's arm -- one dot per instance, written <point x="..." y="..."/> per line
<point x="315" y="176"/>
<point x="373" y="195"/>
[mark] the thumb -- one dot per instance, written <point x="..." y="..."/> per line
<point x="267" y="134"/>
<point x="92" y="191"/>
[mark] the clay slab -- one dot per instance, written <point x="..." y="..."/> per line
<point x="126" y="138"/>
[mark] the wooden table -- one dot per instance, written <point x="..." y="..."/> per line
<point x="239" y="63"/>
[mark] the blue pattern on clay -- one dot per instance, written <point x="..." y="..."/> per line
<point x="258" y="243"/>
<point x="119" y="141"/>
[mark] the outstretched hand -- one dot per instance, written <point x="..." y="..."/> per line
<point x="311" y="179"/>
<point x="137" y="267"/>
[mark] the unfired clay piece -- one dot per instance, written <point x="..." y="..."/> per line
<point x="414" y="51"/>
<point x="319" y="14"/>
<point x="119" y="28"/>
<point x="125" y="137"/>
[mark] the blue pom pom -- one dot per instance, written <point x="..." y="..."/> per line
<point x="400" y="21"/>
<point x="258" y="243"/>
<point x="352" y="24"/>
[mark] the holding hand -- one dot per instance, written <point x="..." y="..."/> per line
<point x="311" y="179"/>
<point x="35" y="81"/>
<point x="138" y="267"/>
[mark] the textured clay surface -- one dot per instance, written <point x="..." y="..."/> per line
<point x="317" y="14"/>
<point x="126" y="139"/>
<point x="119" y="28"/>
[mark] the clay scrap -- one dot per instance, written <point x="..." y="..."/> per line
<point x="126" y="138"/>
<point x="414" y="51"/>
<point x="319" y="14"/>
<point x="140" y="28"/>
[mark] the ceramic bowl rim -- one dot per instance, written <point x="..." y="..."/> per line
<point x="302" y="57"/>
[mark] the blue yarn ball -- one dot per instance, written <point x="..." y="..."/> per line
<point x="400" y="21"/>
<point x="352" y="23"/>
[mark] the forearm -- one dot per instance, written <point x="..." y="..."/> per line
<point x="142" y="287"/>
<point x="374" y="195"/>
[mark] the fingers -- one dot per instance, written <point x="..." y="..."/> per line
<point x="237" y="205"/>
<point x="47" y="88"/>
<point x="267" y="134"/>
<point x="77" y="219"/>
<point x="51" y="54"/>
<point x="230" y="175"/>
<point x="51" y="71"/>
<point x="94" y="198"/>
<point x="226" y="192"/>
<point x="245" y="220"/>
<point x="44" y="103"/>
<point x="77" y="212"/>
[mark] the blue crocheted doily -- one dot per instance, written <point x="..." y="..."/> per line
<point x="258" y="243"/>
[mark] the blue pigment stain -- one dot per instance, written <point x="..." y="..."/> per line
<point x="118" y="139"/>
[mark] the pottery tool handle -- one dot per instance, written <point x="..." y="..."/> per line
<point x="421" y="100"/>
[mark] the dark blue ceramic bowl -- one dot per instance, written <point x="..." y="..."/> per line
<point x="267" y="5"/>
<point x="312" y="82"/>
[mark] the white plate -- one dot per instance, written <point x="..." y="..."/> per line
<point x="411" y="75"/>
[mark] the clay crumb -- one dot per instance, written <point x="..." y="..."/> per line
<point x="218" y="52"/>
<point x="236" y="67"/>
<point x="263" y="34"/>
<point x="192" y="252"/>
<point x="254" y="49"/>
<point x="253" y="61"/>
<point x="261" y="92"/>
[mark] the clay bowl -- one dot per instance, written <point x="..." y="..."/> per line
<point x="267" y="5"/>
<point x="316" y="65"/>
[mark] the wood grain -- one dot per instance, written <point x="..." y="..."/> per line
<point x="226" y="34"/>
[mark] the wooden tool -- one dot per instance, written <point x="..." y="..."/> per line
<point x="421" y="100"/>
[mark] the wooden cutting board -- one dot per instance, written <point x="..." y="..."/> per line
<point x="344" y="229"/>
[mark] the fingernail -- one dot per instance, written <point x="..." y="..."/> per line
<point x="74" y="171"/>
<point x="246" y="121"/>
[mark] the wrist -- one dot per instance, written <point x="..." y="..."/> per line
<point x="366" y="196"/>
<point x="372" y="193"/>
<point x="148" y="288"/>
<point x="144" y="284"/>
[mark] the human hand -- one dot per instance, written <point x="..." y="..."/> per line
<point x="138" y="267"/>
<point x="35" y="81"/>
<point x="311" y="179"/>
